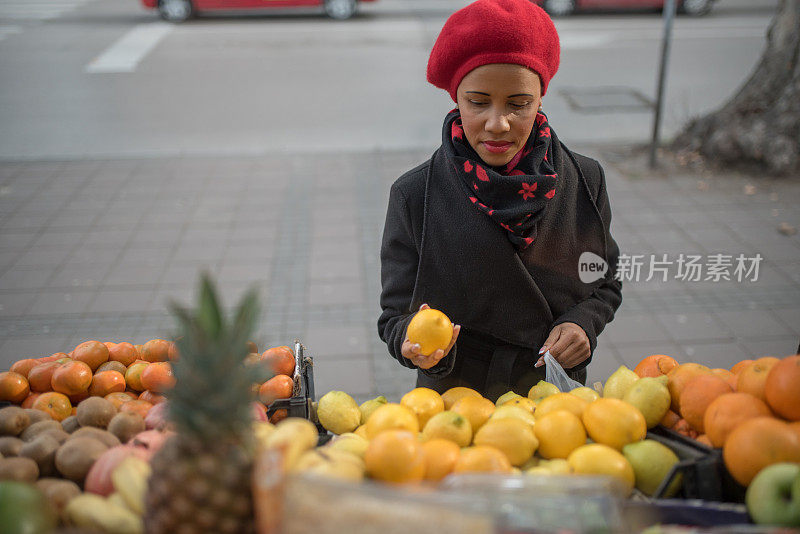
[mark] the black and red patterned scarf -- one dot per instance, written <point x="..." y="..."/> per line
<point x="514" y="195"/>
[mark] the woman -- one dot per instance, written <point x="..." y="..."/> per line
<point x="491" y="229"/>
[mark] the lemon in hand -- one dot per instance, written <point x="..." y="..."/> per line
<point x="431" y="329"/>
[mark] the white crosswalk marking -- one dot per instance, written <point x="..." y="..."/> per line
<point x="36" y="10"/>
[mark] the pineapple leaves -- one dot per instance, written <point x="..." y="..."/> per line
<point x="209" y="315"/>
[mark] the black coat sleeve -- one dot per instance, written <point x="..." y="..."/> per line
<point x="597" y="310"/>
<point x="399" y="262"/>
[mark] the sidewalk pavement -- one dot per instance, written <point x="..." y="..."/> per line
<point x="95" y="249"/>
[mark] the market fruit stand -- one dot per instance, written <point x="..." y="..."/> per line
<point x="111" y="436"/>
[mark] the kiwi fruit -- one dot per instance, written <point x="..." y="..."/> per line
<point x="126" y="425"/>
<point x="58" y="491"/>
<point x="37" y="415"/>
<point x="10" y="446"/>
<point x="33" y="431"/>
<point x="42" y="450"/>
<point x="96" y="433"/>
<point x="19" y="469"/>
<point x="59" y="435"/>
<point x="70" y="424"/>
<point x="75" y="457"/>
<point x="13" y="420"/>
<point x="95" y="411"/>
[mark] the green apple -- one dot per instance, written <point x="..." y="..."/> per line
<point x="773" y="497"/>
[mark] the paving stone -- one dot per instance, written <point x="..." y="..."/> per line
<point x="753" y="323"/>
<point x="330" y="341"/>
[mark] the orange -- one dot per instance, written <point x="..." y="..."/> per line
<point x="739" y="367"/>
<point x="173" y="354"/>
<point x="723" y="374"/>
<point x="441" y="456"/>
<point x="29" y="400"/>
<point x="431" y="329"/>
<point x="124" y="353"/>
<point x="395" y="456"/>
<point x="783" y="388"/>
<point x="56" y="405"/>
<point x="698" y="394"/>
<point x="133" y="375"/>
<point x="107" y="382"/>
<point x="155" y="350"/>
<point x="757" y="443"/>
<point x="655" y="365"/>
<point x="158" y="377"/>
<point x="277" y="387"/>
<point x="728" y="411"/>
<point x="40" y="376"/>
<point x="513" y="437"/>
<point x="13" y="387"/>
<point x="482" y="459"/>
<point x="702" y="438"/>
<point x="136" y="406"/>
<point x="424" y="402"/>
<point x="92" y="353"/>
<point x="559" y="433"/>
<point x="561" y="401"/>
<point x="677" y="379"/>
<point x="278" y="416"/>
<point x="391" y="416"/>
<point x="119" y="398"/>
<point x="280" y="360"/>
<point x="670" y="419"/>
<point x="614" y="422"/>
<point x="753" y="378"/>
<point x="71" y="378"/>
<point x="23" y="367"/>
<point x="453" y="395"/>
<point x="155" y="398"/>
<point x="795" y="427"/>
<point x="477" y="410"/>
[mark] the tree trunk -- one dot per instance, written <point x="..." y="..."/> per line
<point x="760" y="126"/>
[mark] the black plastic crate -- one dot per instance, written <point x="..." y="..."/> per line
<point x="704" y="474"/>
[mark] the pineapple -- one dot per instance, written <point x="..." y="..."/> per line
<point x="201" y="477"/>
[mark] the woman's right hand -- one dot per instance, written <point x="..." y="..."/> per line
<point x="411" y="350"/>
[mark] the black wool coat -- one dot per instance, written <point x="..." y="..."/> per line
<point x="439" y="249"/>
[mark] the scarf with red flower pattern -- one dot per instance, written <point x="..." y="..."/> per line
<point x="514" y="195"/>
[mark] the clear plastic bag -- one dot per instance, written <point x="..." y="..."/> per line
<point x="556" y="375"/>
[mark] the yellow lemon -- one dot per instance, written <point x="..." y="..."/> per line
<point x="559" y="433"/>
<point x="513" y="437"/>
<point x="482" y="459"/>
<point x="522" y="402"/>
<point x="430" y="328"/>
<point x="395" y="456"/>
<point x="514" y="412"/>
<point x="560" y="401"/>
<point x="507" y="396"/>
<point x="362" y="431"/>
<point x="477" y="410"/>
<point x="389" y="417"/>
<point x="614" y="422"/>
<point x="424" y="402"/>
<point x="338" y="412"/>
<point x="453" y="395"/>
<point x="585" y="393"/>
<point x="599" y="459"/>
<point x="448" y="425"/>
<point x="541" y="390"/>
<point x="441" y="456"/>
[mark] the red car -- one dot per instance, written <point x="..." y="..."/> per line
<point x="180" y="10"/>
<point x="560" y="8"/>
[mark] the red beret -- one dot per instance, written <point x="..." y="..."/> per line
<point x="494" y="31"/>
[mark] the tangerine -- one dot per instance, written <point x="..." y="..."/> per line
<point x="133" y="375"/>
<point x="280" y="360"/>
<point x="736" y="369"/>
<point x="728" y="411"/>
<point x="655" y="365"/>
<point x="119" y="398"/>
<point x="56" y="405"/>
<point x="71" y="378"/>
<point x="23" y="367"/>
<point x="92" y="353"/>
<point x="154" y="398"/>
<point x="155" y="350"/>
<point x="158" y="377"/>
<point x="395" y="456"/>
<point x="441" y="456"/>
<point x="29" y="400"/>
<point x="753" y="378"/>
<point x="277" y="387"/>
<point x="136" y="406"/>
<point x="13" y="387"/>
<point x="783" y="388"/>
<point x="107" y="382"/>
<point x="677" y="379"/>
<point x="391" y="416"/>
<point x="561" y="401"/>
<point x="124" y="353"/>
<point x="41" y="375"/>
<point x="757" y="443"/>
<point x="698" y="394"/>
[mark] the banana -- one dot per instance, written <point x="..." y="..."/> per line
<point x="130" y="481"/>
<point x="92" y="511"/>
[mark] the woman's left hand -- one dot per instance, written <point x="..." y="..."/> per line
<point x="568" y="344"/>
